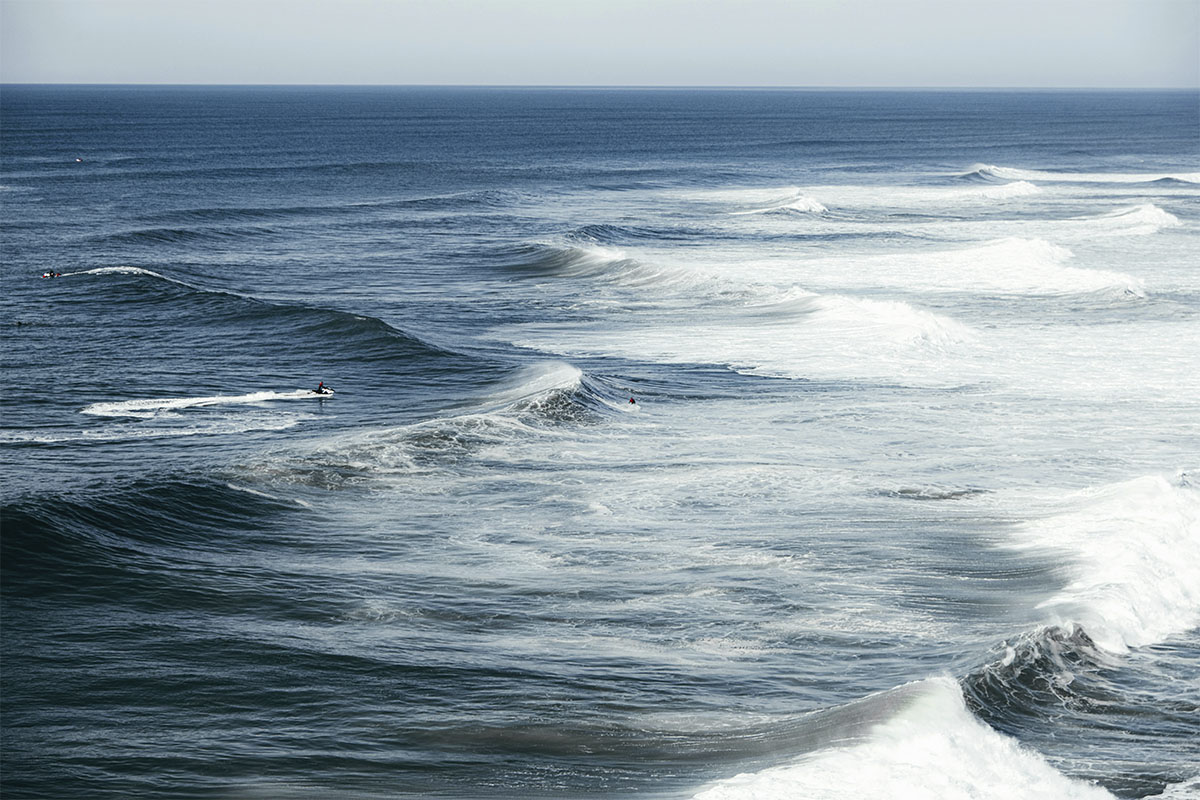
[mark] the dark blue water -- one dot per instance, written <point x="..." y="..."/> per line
<point x="719" y="443"/>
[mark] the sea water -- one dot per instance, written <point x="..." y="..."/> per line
<point x="707" y="443"/>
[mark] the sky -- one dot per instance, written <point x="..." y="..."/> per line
<point x="834" y="43"/>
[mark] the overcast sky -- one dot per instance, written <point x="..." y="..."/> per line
<point x="985" y="43"/>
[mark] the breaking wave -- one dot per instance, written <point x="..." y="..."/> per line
<point x="990" y="172"/>
<point x="794" y="201"/>
<point x="530" y="404"/>
<point x="1008" y="266"/>
<point x="793" y="334"/>
<point x="1142" y="219"/>
<point x="918" y="740"/>
<point x="1132" y="554"/>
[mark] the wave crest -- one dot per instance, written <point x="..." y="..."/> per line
<point x="794" y="201"/>
<point x="1134" y="555"/>
<point x="1142" y="219"/>
<point x="990" y="172"/>
<point x="923" y="743"/>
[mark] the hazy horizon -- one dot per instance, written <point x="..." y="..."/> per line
<point x="942" y="44"/>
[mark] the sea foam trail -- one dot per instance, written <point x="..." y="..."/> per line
<point x="925" y="744"/>
<point x="990" y="171"/>
<point x="791" y="334"/>
<point x="153" y="405"/>
<point x="1133" y="551"/>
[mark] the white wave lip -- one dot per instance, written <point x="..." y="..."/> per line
<point x="121" y="271"/>
<point x="1143" y="219"/>
<point x="862" y="319"/>
<point x="932" y="747"/>
<point x="1037" y="266"/>
<point x="1014" y="265"/>
<point x="1009" y="190"/>
<point x="795" y="334"/>
<point x="153" y="405"/>
<point x="1133" y="551"/>
<point x="1016" y="174"/>
<point x="794" y="200"/>
<point x="535" y="381"/>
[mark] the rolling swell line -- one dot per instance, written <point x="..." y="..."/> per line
<point x="372" y="338"/>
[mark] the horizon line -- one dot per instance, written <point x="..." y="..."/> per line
<point x="602" y="86"/>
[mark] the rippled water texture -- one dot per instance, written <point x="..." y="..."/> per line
<point x="717" y="444"/>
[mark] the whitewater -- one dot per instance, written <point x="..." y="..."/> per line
<point x="717" y="444"/>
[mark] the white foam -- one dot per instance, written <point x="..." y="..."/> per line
<point x="931" y="748"/>
<point x="1142" y="219"/>
<point x="1133" y="551"/>
<point x="794" y="200"/>
<point x="1011" y="173"/>
<point x="1009" y="190"/>
<point x="153" y="405"/>
<point x="794" y="334"/>
<point x="135" y="431"/>
<point x="889" y="320"/>
<point x="535" y="380"/>
<point x="1009" y="266"/>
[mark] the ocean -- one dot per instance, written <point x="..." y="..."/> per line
<point x="716" y="444"/>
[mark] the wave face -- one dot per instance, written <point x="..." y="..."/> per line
<point x="721" y="443"/>
<point x="930" y="746"/>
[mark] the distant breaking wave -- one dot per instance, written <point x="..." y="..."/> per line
<point x="1142" y="219"/>
<point x="126" y="271"/>
<point x="1007" y="190"/>
<point x="793" y="201"/>
<point x="608" y="264"/>
<point x="990" y="172"/>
